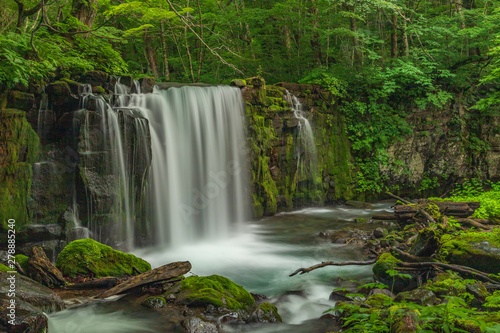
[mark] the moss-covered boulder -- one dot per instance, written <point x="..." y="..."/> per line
<point x="479" y="250"/>
<point x="88" y="257"/>
<point x="266" y="313"/>
<point x="422" y="296"/>
<point x="4" y="268"/>
<point x="216" y="290"/>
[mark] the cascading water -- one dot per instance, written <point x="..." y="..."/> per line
<point x="306" y="148"/>
<point x="198" y="173"/>
<point x="114" y="155"/>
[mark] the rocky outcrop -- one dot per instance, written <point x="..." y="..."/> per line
<point x="31" y="301"/>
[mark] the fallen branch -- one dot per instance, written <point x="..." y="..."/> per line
<point x="457" y="268"/>
<point x="332" y="263"/>
<point x="398" y="198"/>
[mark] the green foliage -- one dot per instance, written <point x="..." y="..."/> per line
<point x="19" y="64"/>
<point x="474" y="190"/>
<point x="326" y="80"/>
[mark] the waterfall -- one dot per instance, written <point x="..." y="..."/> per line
<point x="199" y="165"/>
<point x="306" y="155"/>
<point x="196" y="184"/>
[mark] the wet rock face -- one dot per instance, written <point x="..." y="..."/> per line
<point x="147" y="84"/>
<point x="198" y="325"/>
<point x="96" y="185"/>
<point x="32" y="300"/>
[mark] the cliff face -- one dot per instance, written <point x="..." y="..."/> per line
<point x="279" y="180"/>
<point x="442" y="150"/>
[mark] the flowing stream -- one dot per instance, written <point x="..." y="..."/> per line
<point x="260" y="255"/>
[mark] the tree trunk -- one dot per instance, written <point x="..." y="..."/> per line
<point x="406" y="45"/>
<point x="394" y="36"/>
<point x="166" y="71"/>
<point x="315" y="43"/>
<point x="189" y="54"/>
<point x="23" y="13"/>
<point x="85" y="11"/>
<point x="150" y="54"/>
<point x="355" y="42"/>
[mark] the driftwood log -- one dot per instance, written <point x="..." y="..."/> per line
<point x="41" y="269"/>
<point x="162" y="273"/>
<point x="455" y="209"/>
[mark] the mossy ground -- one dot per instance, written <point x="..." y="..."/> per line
<point x="216" y="290"/>
<point x="88" y="257"/>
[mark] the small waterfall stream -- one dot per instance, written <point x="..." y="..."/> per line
<point x="307" y="169"/>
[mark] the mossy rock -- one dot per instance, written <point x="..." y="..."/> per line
<point x="385" y="263"/>
<point x="22" y="260"/>
<point x="266" y="313"/>
<point x="88" y="257"/>
<point x="422" y="296"/>
<point x="238" y="83"/>
<point x="479" y="250"/>
<point x="98" y="90"/>
<point x="59" y="88"/>
<point x="20" y="100"/>
<point x="73" y="86"/>
<point x="216" y="290"/>
<point x="4" y="268"/>
<point x="379" y="300"/>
